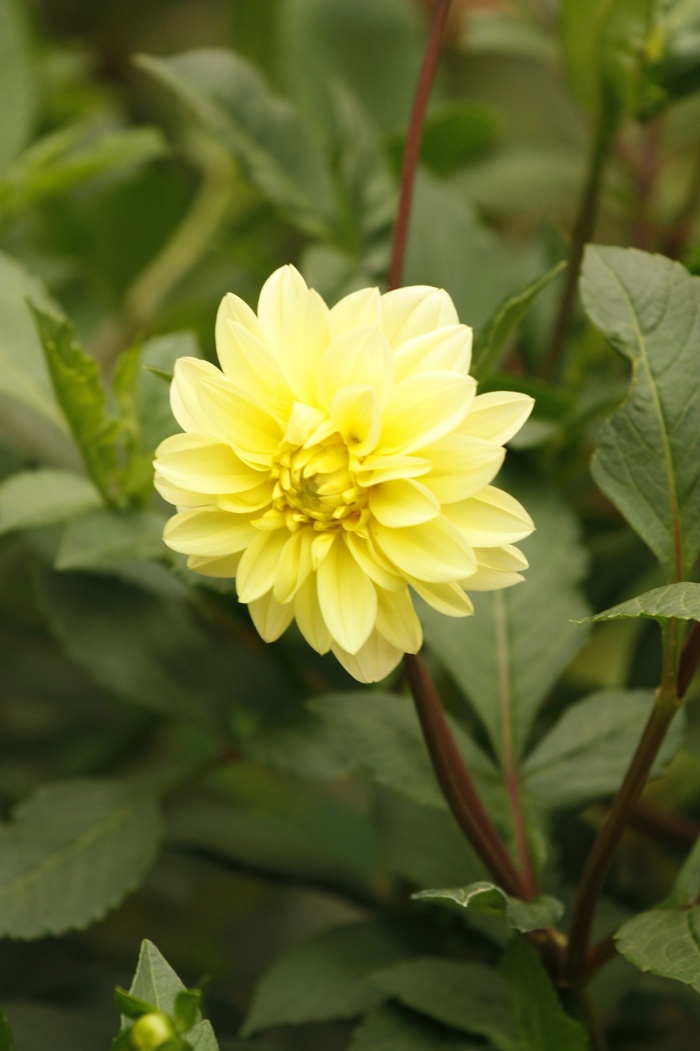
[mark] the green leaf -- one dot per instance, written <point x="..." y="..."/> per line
<point x="155" y="417"/>
<point x="44" y="497"/>
<point x="585" y="756"/>
<point x="493" y="337"/>
<point x="382" y="732"/>
<point x="648" y="307"/>
<point x="72" y="852"/>
<point x="541" y="1021"/>
<point x="485" y="897"/>
<point x="24" y="376"/>
<point x="674" y="49"/>
<point x="468" y="996"/>
<point x="17" y="81"/>
<point x="187" y="1009"/>
<point x="266" y="134"/>
<point x="681" y="601"/>
<point x="327" y="977"/>
<point x="666" y="939"/>
<point x="507" y="657"/>
<point x="456" y="131"/>
<point x="156" y="982"/>
<point x="131" y="1006"/>
<point x="82" y="396"/>
<point x="511" y="33"/>
<point x="393" y="1029"/>
<point x="7" y="1042"/>
<point x="102" y="538"/>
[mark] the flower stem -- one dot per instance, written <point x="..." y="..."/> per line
<point x="666" y="705"/>
<point x="584" y="226"/>
<point x="456" y="782"/>
<point x="413" y="141"/>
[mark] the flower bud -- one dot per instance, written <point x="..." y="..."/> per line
<point x="151" y="1031"/>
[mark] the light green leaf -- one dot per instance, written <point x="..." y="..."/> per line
<point x="541" y="1021"/>
<point x="508" y="33"/>
<point x="156" y="420"/>
<point x="156" y="982"/>
<point x="468" y="996"/>
<point x="675" y="53"/>
<point x="585" y="756"/>
<point x="381" y="731"/>
<point x="71" y="853"/>
<point x="680" y="600"/>
<point x="666" y="939"/>
<point x="493" y="337"/>
<point x="509" y="654"/>
<point x="82" y="396"/>
<point x="44" y="497"/>
<point x="648" y="453"/>
<point x="265" y="133"/>
<point x="393" y="1029"/>
<point x="104" y="538"/>
<point x="24" y="376"/>
<point x="456" y="131"/>
<point x="17" y="81"/>
<point x="485" y="897"/>
<point x="327" y="977"/>
<point x="7" y="1042"/>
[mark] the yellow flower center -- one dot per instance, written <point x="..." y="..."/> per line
<point x="316" y="487"/>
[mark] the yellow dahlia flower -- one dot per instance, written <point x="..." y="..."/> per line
<point x="338" y="459"/>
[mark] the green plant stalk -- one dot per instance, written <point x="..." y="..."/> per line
<point x="666" y="705"/>
<point x="413" y="142"/>
<point x="456" y="782"/>
<point x="584" y="227"/>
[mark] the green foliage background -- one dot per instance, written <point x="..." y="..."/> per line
<point x="247" y="808"/>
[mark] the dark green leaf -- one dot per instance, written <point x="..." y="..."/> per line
<point x="675" y="600"/>
<point x="102" y="538"/>
<point x="468" y="996"/>
<point x="7" y="1042"/>
<point x="456" y="131"/>
<point x="485" y="897"/>
<point x="82" y="396"/>
<point x="509" y="654"/>
<point x="541" y="1021"/>
<point x="326" y="977"/>
<point x="187" y="1009"/>
<point x="71" y="853"/>
<point x="131" y="1006"/>
<point x="674" y="50"/>
<point x="648" y="458"/>
<point x="44" y="497"/>
<point x="266" y="134"/>
<point x="666" y="940"/>
<point x="393" y="1029"/>
<point x="493" y="337"/>
<point x="585" y="756"/>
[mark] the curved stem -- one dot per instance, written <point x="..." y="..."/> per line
<point x="456" y="782"/>
<point x="584" y="226"/>
<point x="413" y="141"/>
<point x="665" y="707"/>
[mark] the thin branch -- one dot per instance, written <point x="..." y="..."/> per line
<point x="413" y="141"/>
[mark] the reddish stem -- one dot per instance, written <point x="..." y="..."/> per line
<point x="413" y="141"/>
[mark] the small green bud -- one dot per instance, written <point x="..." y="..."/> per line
<point x="151" y="1031"/>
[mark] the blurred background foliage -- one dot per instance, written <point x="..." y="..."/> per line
<point x="135" y="192"/>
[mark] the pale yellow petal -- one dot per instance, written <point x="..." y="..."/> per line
<point x="415" y="310"/>
<point x="375" y="469"/>
<point x="209" y="532"/>
<point x="224" y="567"/>
<point x="462" y="465"/>
<point x="373" y="562"/>
<point x="184" y="395"/>
<point x="307" y="613"/>
<point x="448" y="598"/>
<point x="251" y="430"/>
<point x="347" y="597"/>
<point x="294" y="566"/>
<point x="372" y="662"/>
<point x="445" y="350"/>
<point x="356" y="310"/>
<point x="424" y="408"/>
<point x="192" y="462"/>
<point x="402" y="502"/>
<point x="397" y="620"/>
<point x="359" y="358"/>
<point x="491" y="518"/>
<point x="306" y="337"/>
<point x="270" y="617"/>
<point x="252" y="369"/>
<point x="256" y="499"/>
<point x="258" y="566"/>
<point x="435" y="551"/>
<point x="234" y="309"/>
<point x="354" y="412"/>
<point x="498" y="415"/>
<point x="497" y="567"/>
<point x="278" y="297"/>
<point x="182" y="498"/>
